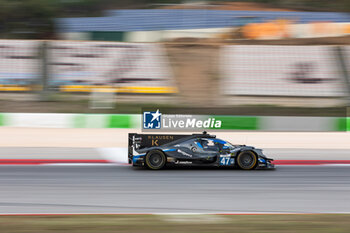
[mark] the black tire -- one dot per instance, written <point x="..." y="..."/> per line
<point x="155" y="160"/>
<point x="247" y="160"/>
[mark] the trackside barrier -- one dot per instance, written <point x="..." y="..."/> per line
<point x="249" y="123"/>
<point x="301" y="71"/>
<point x="82" y="66"/>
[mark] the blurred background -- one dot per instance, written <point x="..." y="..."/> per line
<point x="261" y="57"/>
<point x="75" y="76"/>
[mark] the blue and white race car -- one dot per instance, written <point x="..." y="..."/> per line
<point x="155" y="151"/>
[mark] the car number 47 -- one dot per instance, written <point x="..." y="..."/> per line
<point x="225" y="161"/>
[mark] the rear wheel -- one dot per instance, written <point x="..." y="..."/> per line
<point x="155" y="160"/>
<point x="247" y="160"/>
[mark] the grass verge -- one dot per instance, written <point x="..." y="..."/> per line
<point x="285" y="223"/>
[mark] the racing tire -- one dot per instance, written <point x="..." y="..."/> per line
<point x="155" y="160"/>
<point x="247" y="160"/>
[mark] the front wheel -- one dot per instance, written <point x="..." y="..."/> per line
<point x="247" y="160"/>
<point x="155" y="160"/>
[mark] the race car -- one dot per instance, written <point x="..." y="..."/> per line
<point x="155" y="151"/>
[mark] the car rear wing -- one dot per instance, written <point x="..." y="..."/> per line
<point x="140" y="141"/>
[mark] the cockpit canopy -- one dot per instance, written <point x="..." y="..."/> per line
<point x="214" y="144"/>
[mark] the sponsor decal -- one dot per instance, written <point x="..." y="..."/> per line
<point x="160" y="137"/>
<point x="183" y="162"/>
<point x="184" y="153"/>
<point x="156" y="138"/>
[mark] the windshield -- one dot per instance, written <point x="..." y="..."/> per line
<point x="217" y="143"/>
<point x="224" y="144"/>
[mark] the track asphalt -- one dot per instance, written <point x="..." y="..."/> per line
<point x="123" y="189"/>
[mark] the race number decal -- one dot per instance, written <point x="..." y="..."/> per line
<point x="226" y="160"/>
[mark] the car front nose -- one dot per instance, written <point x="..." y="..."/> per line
<point x="265" y="162"/>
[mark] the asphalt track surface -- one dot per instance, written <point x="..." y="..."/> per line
<point x="123" y="189"/>
<point x="57" y="153"/>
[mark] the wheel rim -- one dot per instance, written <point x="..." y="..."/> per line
<point x="247" y="160"/>
<point x="155" y="160"/>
